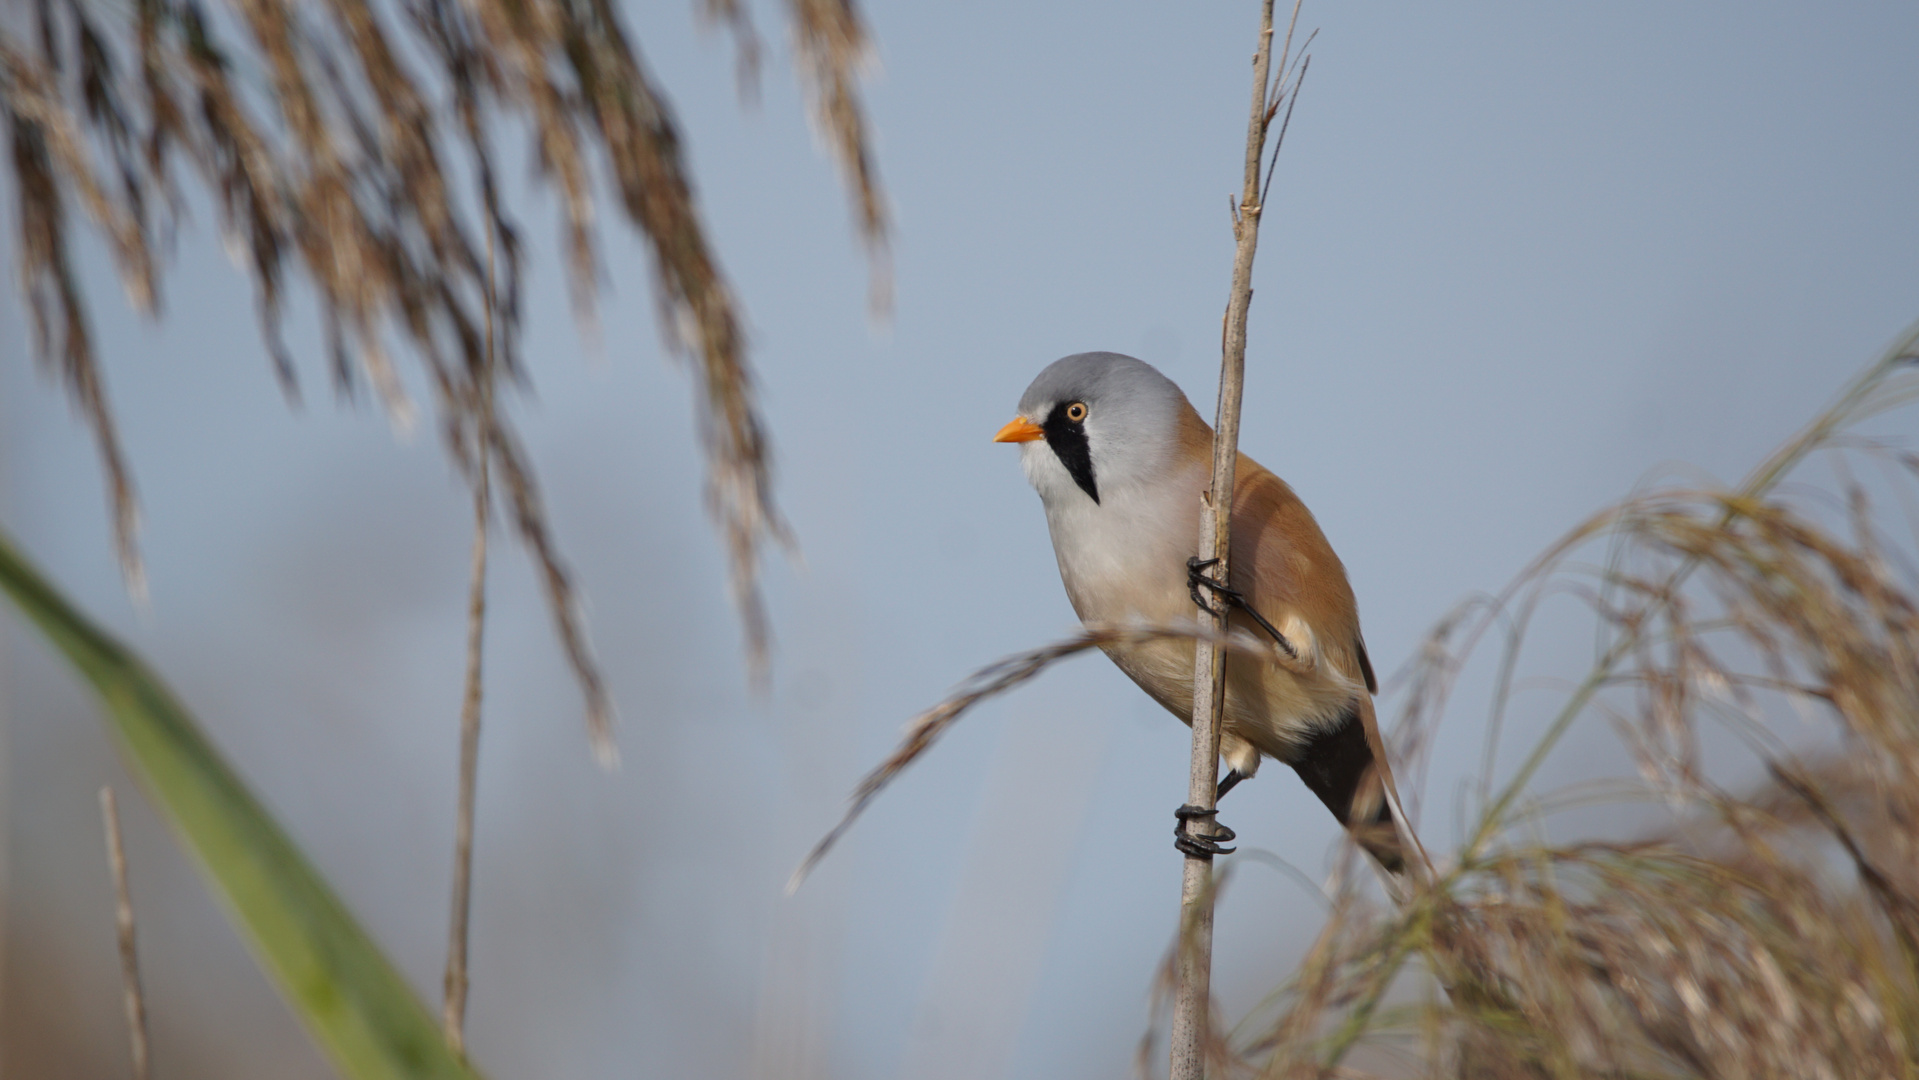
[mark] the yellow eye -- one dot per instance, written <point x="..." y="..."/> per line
<point x="1076" y="411"/>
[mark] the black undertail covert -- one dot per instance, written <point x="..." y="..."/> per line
<point x="1333" y="762"/>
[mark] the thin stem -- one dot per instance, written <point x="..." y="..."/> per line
<point x="1292" y="99"/>
<point x="1280" y="93"/>
<point x="1195" y="959"/>
<point x="454" y="1011"/>
<point x="123" y="919"/>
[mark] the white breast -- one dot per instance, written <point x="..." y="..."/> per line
<point x="1124" y="558"/>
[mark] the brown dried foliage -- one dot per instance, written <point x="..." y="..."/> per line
<point x="321" y="134"/>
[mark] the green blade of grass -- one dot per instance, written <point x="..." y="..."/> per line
<point x="352" y="999"/>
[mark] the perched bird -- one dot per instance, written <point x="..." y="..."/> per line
<point x="1121" y="460"/>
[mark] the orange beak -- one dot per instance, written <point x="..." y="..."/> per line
<point x="1019" y="430"/>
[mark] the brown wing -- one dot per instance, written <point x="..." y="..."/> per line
<point x="1284" y="565"/>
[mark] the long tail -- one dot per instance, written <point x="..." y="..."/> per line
<point x="1344" y="764"/>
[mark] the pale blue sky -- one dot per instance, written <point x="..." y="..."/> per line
<point x="1519" y="256"/>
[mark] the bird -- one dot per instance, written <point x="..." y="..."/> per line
<point x="1121" y="461"/>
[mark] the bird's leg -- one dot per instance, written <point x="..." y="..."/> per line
<point x="1196" y="568"/>
<point x="1232" y="779"/>
<point x="1204" y="847"/>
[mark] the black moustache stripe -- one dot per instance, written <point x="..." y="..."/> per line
<point x="1068" y="440"/>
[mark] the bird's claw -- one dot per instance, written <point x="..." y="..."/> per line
<point x="1196" y="568"/>
<point x="1200" y="847"/>
<point x="1230" y="597"/>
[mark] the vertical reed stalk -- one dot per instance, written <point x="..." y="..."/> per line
<point x="453" y="1015"/>
<point x="1195" y="962"/>
<point x="123" y="919"/>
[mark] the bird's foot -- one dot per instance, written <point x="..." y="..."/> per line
<point x="1196" y="578"/>
<point x="1201" y="847"/>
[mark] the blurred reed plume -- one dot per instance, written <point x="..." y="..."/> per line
<point x="327" y="136"/>
<point x="1772" y="928"/>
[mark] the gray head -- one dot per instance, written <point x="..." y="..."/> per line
<point x="1096" y="423"/>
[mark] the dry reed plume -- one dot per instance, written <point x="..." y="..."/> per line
<point x="353" y="142"/>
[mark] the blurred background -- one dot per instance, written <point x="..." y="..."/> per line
<point x="1519" y="258"/>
